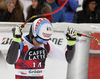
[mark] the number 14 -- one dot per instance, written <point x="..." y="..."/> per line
<point x="37" y="65"/>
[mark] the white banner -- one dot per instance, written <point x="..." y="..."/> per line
<point x="6" y="39"/>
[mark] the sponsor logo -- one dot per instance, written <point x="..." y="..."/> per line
<point x="36" y="54"/>
<point x="23" y="73"/>
<point x="35" y="71"/>
<point x="6" y="41"/>
<point x="57" y="41"/>
<point x="81" y="40"/>
<point x="46" y="35"/>
<point x="98" y="43"/>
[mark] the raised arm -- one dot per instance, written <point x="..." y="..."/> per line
<point x="74" y="4"/>
<point x="15" y="47"/>
<point x="68" y="54"/>
<point x="71" y="40"/>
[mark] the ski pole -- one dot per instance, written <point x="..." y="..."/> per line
<point x="79" y="34"/>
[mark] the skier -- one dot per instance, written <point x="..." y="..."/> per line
<point x="29" y="53"/>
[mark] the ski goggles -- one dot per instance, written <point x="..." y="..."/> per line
<point x="40" y="40"/>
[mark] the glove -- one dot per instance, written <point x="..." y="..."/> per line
<point x="17" y="33"/>
<point x="71" y="36"/>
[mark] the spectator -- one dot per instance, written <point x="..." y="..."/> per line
<point x="58" y="16"/>
<point x="98" y="1"/>
<point x="11" y="11"/>
<point x="70" y="9"/>
<point x="38" y="7"/>
<point x="26" y="4"/>
<point x="89" y="14"/>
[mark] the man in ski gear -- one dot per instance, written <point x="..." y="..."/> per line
<point x="29" y="53"/>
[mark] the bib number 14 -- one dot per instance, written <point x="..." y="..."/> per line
<point x="37" y="65"/>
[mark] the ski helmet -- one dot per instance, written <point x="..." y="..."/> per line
<point x="42" y="28"/>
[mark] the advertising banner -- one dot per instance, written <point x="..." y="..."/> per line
<point x="6" y="38"/>
<point x="94" y="57"/>
<point x="94" y="45"/>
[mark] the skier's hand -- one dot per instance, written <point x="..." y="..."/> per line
<point x="17" y="33"/>
<point x="71" y="36"/>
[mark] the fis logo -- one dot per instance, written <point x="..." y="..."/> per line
<point x="6" y="41"/>
<point x="49" y="29"/>
<point x="81" y="40"/>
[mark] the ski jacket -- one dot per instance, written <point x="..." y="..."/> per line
<point x="17" y="14"/>
<point x="70" y="9"/>
<point x="43" y="9"/>
<point x="86" y="15"/>
<point x="58" y="16"/>
<point x="30" y="60"/>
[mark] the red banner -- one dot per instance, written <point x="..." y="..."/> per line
<point x="94" y="58"/>
<point x="94" y="45"/>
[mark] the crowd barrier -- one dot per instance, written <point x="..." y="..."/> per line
<point x="79" y="68"/>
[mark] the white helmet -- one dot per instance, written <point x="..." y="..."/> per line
<point x="42" y="28"/>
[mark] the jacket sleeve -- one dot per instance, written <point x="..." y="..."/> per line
<point x="13" y="53"/>
<point x="6" y="16"/>
<point x="57" y="53"/>
<point x="1" y="13"/>
<point x="70" y="53"/>
<point x="75" y="20"/>
<point x="73" y="4"/>
<point x="63" y="16"/>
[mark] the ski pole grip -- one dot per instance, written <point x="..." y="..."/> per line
<point x="22" y="26"/>
<point x="78" y="34"/>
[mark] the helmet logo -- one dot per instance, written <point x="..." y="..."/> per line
<point x="46" y="35"/>
<point x="40" y="20"/>
<point x="48" y="28"/>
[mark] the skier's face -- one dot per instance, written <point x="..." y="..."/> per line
<point x="92" y="6"/>
<point x="36" y="43"/>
